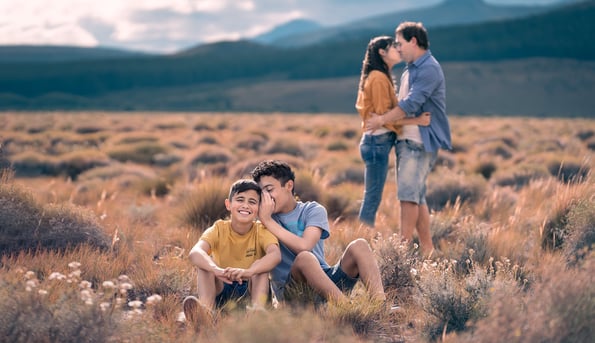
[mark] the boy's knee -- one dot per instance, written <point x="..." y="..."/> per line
<point x="305" y="259"/>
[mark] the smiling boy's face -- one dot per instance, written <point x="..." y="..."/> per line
<point x="243" y="206"/>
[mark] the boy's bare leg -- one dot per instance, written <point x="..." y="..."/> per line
<point x="259" y="290"/>
<point x="358" y="259"/>
<point x="208" y="288"/>
<point x="307" y="268"/>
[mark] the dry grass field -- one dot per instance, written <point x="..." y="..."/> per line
<point x="99" y="210"/>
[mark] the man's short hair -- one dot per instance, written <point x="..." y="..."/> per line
<point x="409" y="29"/>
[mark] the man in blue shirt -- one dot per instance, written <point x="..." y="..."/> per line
<point x="422" y="89"/>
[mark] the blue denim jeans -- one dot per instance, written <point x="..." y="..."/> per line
<point x="374" y="150"/>
<point x="414" y="164"/>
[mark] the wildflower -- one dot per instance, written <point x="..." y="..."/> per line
<point x="57" y="276"/>
<point x="42" y="292"/>
<point x="86" y="295"/>
<point x="123" y="278"/>
<point x="135" y="303"/>
<point x="108" y="284"/>
<point x="75" y="273"/>
<point x="74" y="265"/>
<point x="31" y="283"/>
<point x="30" y="274"/>
<point x="153" y="299"/>
<point x="85" y="284"/>
<point x="413" y="272"/>
<point x="126" y="286"/>
<point x="104" y="306"/>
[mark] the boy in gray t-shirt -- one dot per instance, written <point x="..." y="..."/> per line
<point x="301" y="228"/>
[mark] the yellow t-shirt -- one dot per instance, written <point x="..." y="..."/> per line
<point x="230" y="249"/>
<point x="378" y="96"/>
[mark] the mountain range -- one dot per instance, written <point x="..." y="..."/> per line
<point x="530" y="64"/>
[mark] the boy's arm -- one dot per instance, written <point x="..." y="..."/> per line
<point x="294" y="242"/>
<point x="263" y="265"/>
<point x="200" y="258"/>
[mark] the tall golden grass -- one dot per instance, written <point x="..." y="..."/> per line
<point x="513" y="218"/>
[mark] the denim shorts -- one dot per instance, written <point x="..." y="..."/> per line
<point x="343" y="281"/>
<point x="413" y="167"/>
<point x="234" y="291"/>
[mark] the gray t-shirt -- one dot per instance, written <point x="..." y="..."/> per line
<point x="304" y="215"/>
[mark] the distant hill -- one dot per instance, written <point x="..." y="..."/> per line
<point x="447" y="13"/>
<point x="282" y="32"/>
<point x="201" y="78"/>
<point x="55" y="53"/>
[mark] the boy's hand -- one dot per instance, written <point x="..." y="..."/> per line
<point x="221" y="275"/>
<point x="267" y="206"/>
<point x="237" y="274"/>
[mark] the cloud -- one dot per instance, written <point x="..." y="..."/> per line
<point x="168" y="25"/>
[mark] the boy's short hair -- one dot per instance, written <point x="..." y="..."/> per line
<point x="276" y="169"/>
<point x="242" y="186"/>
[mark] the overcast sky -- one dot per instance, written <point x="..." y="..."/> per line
<point x="169" y="25"/>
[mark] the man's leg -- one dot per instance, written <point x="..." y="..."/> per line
<point x="409" y="219"/>
<point x="423" y="230"/>
<point x="359" y="260"/>
<point x="306" y="268"/>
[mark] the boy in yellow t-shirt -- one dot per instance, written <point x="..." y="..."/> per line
<point x="233" y="257"/>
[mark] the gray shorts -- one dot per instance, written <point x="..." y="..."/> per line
<point x="413" y="167"/>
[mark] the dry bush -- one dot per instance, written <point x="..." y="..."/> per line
<point x="341" y="203"/>
<point x="142" y="152"/>
<point x="580" y="226"/>
<point x="447" y="188"/>
<point x="520" y="175"/>
<point x="454" y="301"/>
<point x="396" y="263"/>
<point x="28" y="316"/>
<point x="210" y="155"/>
<point x="561" y="308"/>
<point x="204" y="205"/>
<point x="307" y="186"/>
<point x="281" y="326"/>
<point x="285" y="146"/>
<point x="253" y="142"/>
<point x="28" y="225"/>
<point x="31" y="164"/>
